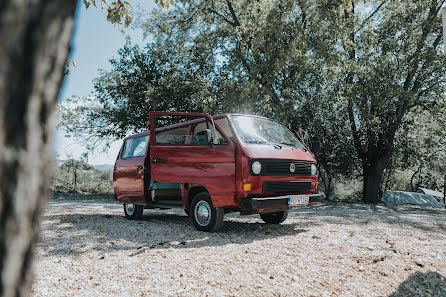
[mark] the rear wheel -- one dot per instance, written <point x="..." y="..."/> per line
<point x="204" y="216"/>
<point x="133" y="211"/>
<point x="274" y="218"/>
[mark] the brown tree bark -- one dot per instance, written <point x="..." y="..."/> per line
<point x="35" y="37"/>
<point x="372" y="173"/>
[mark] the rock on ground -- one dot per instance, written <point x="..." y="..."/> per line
<point x="402" y="198"/>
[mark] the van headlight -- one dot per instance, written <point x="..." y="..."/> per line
<point x="256" y="167"/>
<point x="313" y="169"/>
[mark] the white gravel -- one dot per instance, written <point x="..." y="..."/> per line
<point x="88" y="248"/>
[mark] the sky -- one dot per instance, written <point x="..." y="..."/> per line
<point x="94" y="42"/>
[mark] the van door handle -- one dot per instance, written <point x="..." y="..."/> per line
<point x="139" y="168"/>
<point x="159" y="160"/>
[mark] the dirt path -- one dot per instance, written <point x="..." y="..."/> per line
<point x="88" y="248"/>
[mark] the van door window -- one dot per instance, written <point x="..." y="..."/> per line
<point x="198" y="136"/>
<point x="135" y="147"/>
<point x="172" y="136"/>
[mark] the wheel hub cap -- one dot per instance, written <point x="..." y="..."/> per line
<point x="130" y="208"/>
<point x="203" y="213"/>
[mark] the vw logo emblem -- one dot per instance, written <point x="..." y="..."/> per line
<point x="292" y="168"/>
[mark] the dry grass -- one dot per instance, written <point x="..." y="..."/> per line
<point x="88" y="248"/>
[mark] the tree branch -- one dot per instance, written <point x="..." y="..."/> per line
<point x="222" y="16"/>
<point x="234" y="16"/>
<point x="371" y="15"/>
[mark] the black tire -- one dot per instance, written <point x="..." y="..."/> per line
<point x="187" y="211"/>
<point x="274" y="218"/>
<point x="212" y="220"/>
<point x="133" y="211"/>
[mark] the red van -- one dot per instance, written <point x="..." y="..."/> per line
<point x="213" y="165"/>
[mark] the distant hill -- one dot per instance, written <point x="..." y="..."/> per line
<point x="103" y="167"/>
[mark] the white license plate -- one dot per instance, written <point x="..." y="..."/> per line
<point x="292" y="201"/>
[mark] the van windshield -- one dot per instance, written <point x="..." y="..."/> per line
<point x="254" y="130"/>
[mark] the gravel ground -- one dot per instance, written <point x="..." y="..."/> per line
<point x="88" y="248"/>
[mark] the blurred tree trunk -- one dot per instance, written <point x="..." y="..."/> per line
<point x="35" y="37"/>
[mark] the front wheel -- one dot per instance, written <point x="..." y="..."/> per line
<point x="133" y="211"/>
<point x="274" y="218"/>
<point x="204" y="216"/>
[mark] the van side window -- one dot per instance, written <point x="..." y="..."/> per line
<point x="135" y="147"/>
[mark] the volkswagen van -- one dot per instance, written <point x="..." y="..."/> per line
<point x="212" y="165"/>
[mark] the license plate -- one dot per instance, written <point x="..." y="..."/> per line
<point x="293" y="201"/>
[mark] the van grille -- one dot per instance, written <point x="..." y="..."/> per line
<point x="286" y="187"/>
<point x="282" y="168"/>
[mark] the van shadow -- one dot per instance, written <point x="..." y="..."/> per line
<point x="75" y="234"/>
<point x="429" y="283"/>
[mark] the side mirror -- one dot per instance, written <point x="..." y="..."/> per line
<point x="208" y="135"/>
<point x="315" y="146"/>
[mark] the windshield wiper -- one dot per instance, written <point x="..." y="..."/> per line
<point x="255" y="141"/>
<point x="294" y="145"/>
<point x="288" y="143"/>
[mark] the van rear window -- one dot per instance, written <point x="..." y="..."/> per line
<point x="135" y="147"/>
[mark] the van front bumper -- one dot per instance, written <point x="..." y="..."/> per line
<point x="271" y="204"/>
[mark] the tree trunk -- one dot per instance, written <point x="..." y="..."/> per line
<point x="372" y="174"/>
<point x="326" y="179"/>
<point x="75" y="181"/>
<point x="35" y="36"/>
<point x="329" y="187"/>
<point x="412" y="186"/>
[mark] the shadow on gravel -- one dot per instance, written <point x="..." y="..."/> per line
<point x="429" y="283"/>
<point x="82" y="232"/>
<point x="425" y="219"/>
<point x="74" y="234"/>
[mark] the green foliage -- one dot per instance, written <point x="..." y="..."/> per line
<point x="118" y="12"/>
<point x="74" y="176"/>
<point x="68" y="65"/>
<point x="420" y="148"/>
<point x="348" y="188"/>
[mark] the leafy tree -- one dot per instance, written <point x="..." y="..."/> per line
<point x="77" y="176"/>
<point x="420" y="149"/>
<point x="72" y="165"/>
<point x="391" y="63"/>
